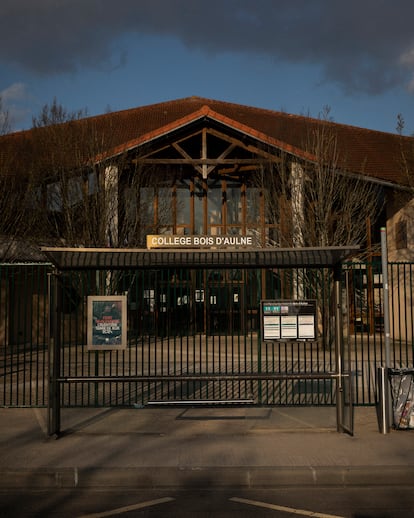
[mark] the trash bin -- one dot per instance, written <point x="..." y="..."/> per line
<point x="402" y="393"/>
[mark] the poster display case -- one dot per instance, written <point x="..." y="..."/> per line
<point x="107" y="322"/>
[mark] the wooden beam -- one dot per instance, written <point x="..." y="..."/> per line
<point x="201" y="161"/>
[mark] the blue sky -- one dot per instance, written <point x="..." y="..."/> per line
<point x="298" y="56"/>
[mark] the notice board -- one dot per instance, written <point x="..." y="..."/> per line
<point x="288" y="320"/>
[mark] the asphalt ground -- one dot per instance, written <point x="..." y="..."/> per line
<point x="160" y="447"/>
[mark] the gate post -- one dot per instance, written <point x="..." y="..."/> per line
<point x="343" y="374"/>
<point x="385" y="387"/>
<point x="338" y="349"/>
<point x="53" y="407"/>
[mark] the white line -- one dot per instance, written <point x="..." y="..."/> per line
<point x="284" y="509"/>
<point x="128" y="508"/>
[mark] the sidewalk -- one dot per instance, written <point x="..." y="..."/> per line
<point x="200" y="447"/>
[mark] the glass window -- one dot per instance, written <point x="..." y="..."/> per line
<point x="165" y="215"/>
<point x="74" y="191"/>
<point x="146" y="205"/>
<point x="234" y="206"/>
<point x="130" y="204"/>
<point x="54" y="197"/>
<point x="92" y="183"/>
<point x="253" y="204"/>
<point x="199" y="208"/>
<point x="214" y="205"/>
<point x="183" y="205"/>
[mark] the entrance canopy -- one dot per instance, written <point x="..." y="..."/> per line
<point x="130" y="258"/>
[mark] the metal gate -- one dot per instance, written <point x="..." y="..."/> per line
<point x="196" y="330"/>
<point x="194" y="336"/>
<point x="192" y="322"/>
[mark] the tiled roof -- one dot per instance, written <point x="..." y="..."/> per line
<point x="368" y="152"/>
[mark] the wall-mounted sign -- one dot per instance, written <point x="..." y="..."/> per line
<point x="179" y="241"/>
<point x="107" y="322"/>
<point x="288" y="319"/>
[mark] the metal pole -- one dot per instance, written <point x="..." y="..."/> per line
<point x="385" y="392"/>
<point x="50" y="356"/>
<point x="383" y="413"/>
<point x="54" y="358"/>
<point x="384" y="261"/>
<point x="338" y="351"/>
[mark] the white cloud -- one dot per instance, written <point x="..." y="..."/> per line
<point x="407" y="58"/>
<point x="15" y="92"/>
<point x="410" y="86"/>
<point x="15" y="99"/>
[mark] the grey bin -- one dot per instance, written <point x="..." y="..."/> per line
<point x="402" y="393"/>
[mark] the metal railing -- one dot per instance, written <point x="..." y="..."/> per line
<point x="186" y="324"/>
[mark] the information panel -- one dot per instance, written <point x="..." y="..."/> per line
<point x="288" y="319"/>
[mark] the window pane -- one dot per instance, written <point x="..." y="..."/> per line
<point x="165" y="216"/>
<point x="234" y="209"/>
<point x="198" y="208"/>
<point x="146" y="205"/>
<point x="253" y="205"/>
<point x="74" y="191"/>
<point x="214" y="205"/>
<point x="54" y="197"/>
<point x="183" y="205"/>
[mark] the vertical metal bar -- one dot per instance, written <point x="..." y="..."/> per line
<point x="384" y="394"/>
<point x="406" y="318"/>
<point x="28" y="338"/>
<point x="3" y="326"/>
<point x="397" y="302"/>
<point x="24" y="286"/>
<point x="14" y="349"/>
<point x="54" y="356"/>
<point x="411" y="331"/>
<point x="338" y="351"/>
<point x="384" y="262"/>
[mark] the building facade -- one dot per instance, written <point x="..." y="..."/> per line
<point x="195" y="175"/>
<point x="200" y="173"/>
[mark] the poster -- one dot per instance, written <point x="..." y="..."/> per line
<point x="107" y="322"/>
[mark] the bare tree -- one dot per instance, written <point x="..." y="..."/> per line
<point x="402" y="201"/>
<point x="5" y="124"/>
<point x="64" y="184"/>
<point x="320" y="201"/>
<point x="88" y="197"/>
<point x="16" y="193"/>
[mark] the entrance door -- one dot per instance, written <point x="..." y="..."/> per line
<point x="224" y="303"/>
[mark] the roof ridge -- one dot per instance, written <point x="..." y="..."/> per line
<point x="270" y="111"/>
<point x="205" y="101"/>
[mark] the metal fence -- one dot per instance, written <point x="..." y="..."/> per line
<point x="201" y="325"/>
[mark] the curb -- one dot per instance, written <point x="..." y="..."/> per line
<point x="202" y="477"/>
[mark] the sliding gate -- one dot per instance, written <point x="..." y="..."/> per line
<point x="193" y="334"/>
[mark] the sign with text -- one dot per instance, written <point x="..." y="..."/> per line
<point x="107" y="322"/>
<point x="179" y="241"/>
<point x="288" y="320"/>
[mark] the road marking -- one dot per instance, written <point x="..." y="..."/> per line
<point x="128" y="508"/>
<point x="284" y="509"/>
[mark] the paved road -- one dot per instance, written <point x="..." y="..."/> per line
<point x="350" y="502"/>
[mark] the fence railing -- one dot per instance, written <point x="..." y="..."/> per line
<point x="184" y="324"/>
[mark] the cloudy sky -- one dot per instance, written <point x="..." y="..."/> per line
<point x="298" y="56"/>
